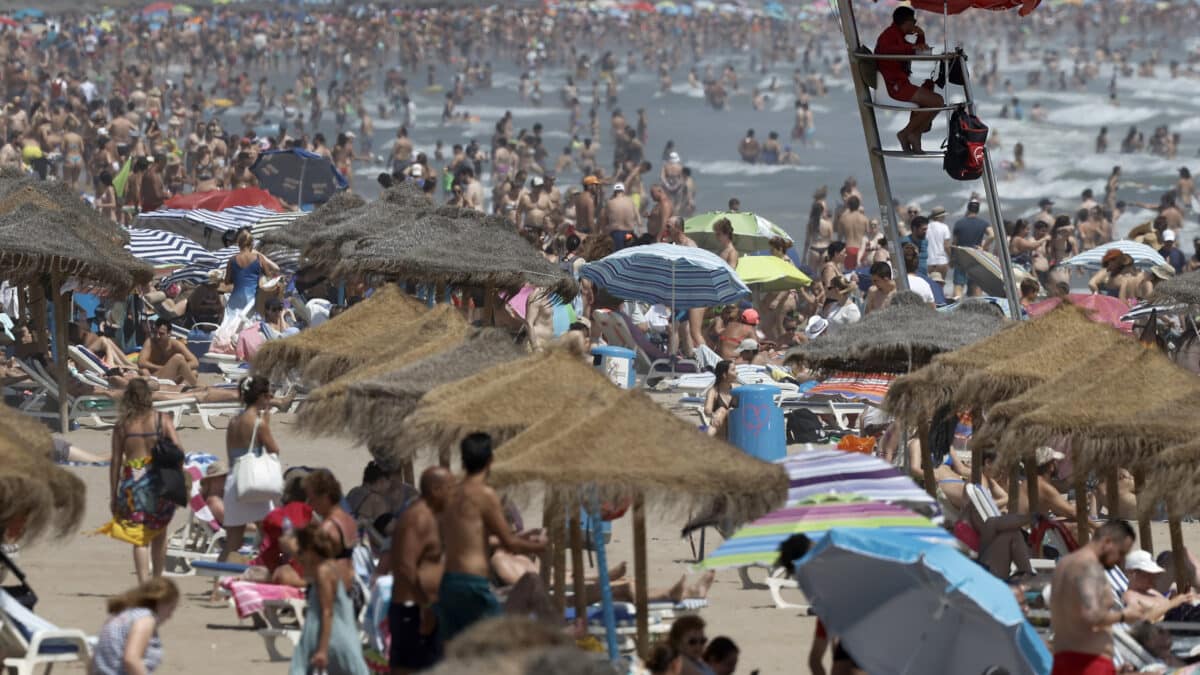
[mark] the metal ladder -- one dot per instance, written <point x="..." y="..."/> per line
<point x="878" y="156"/>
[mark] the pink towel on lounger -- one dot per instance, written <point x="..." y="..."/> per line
<point x="249" y="596"/>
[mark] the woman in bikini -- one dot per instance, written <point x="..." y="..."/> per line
<point x="719" y="399"/>
<point x="205" y="176"/>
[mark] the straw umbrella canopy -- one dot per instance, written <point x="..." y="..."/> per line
<point x="1103" y="405"/>
<point x="631" y="445"/>
<point x="915" y="397"/>
<point x="900" y="338"/>
<point x="402" y="235"/>
<point x="506" y="399"/>
<point x="1174" y="476"/>
<point x="297" y="233"/>
<point x="1183" y="289"/>
<point x="375" y="409"/>
<point x="341" y="340"/>
<point x="442" y="329"/>
<point x="36" y="495"/>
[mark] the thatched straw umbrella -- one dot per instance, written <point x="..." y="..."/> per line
<point x="441" y="330"/>
<point x="18" y="189"/>
<point x="36" y="495"/>
<point x="1180" y="290"/>
<point x="434" y="331"/>
<point x="375" y="409"/>
<point x="343" y="336"/>
<point x="297" y="233"/>
<point x="403" y="236"/>
<point x="918" y="395"/>
<point x="899" y="338"/>
<point x="633" y="447"/>
<point x="506" y="399"/>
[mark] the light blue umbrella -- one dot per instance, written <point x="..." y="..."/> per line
<point x="680" y="277"/>
<point x="901" y="605"/>
<point x="1143" y="256"/>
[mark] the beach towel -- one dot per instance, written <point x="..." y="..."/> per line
<point x="250" y="596"/>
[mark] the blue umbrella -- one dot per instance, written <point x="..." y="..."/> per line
<point x="1143" y="256"/>
<point x="901" y="605"/>
<point x="680" y="277"/>
<point x="298" y="176"/>
<point x="31" y="12"/>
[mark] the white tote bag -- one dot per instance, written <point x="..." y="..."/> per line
<point x="257" y="474"/>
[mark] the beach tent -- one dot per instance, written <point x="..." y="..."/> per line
<point x="340" y="341"/>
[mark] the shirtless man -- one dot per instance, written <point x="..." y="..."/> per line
<point x="883" y="287"/>
<point x="402" y="149"/>
<point x="620" y="218"/>
<point x="167" y="358"/>
<point x="660" y="213"/>
<point x="585" y="204"/>
<point x="539" y="319"/>
<point x="673" y="233"/>
<point x="472" y="513"/>
<point x="416" y="574"/>
<point x="1082" y="608"/>
<point x="852" y="226"/>
<point x="534" y="205"/>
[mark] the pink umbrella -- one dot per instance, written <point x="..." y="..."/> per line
<point x="1099" y="308"/>
<point x="956" y="6"/>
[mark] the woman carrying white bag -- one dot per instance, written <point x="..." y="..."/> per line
<point x="256" y="477"/>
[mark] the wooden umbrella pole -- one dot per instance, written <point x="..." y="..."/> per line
<point x="976" y="453"/>
<point x="1178" y="553"/>
<point x="560" y="557"/>
<point x="1114" y="494"/>
<point x="406" y="472"/>
<point x="1014" y="488"/>
<point x="641" y="575"/>
<point x="61" y="317"/>
<point x="1031" y="482"/>
<point x="577" y="562"/>
<point x="1145" y="534"/>
<point x="1082" y="529"/>
<point x="489" y="307"/>
<point x="926" y="459"/>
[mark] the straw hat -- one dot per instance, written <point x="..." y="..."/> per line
<point x="1163" y="272"/>
<point x="216" y="470"/>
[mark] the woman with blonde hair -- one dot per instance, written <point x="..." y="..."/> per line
<point x="243" y="272"/>
<point x="140" y="513"/>
<point x="128" y="642"/>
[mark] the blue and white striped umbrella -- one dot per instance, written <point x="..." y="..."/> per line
<point x="166" y="248"/>
<point x="681" y="277"/>
<point x="1143" y="256"/>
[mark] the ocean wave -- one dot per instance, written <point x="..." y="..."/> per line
<point x="1095" y="115"/>
<point x="733" y="167"/>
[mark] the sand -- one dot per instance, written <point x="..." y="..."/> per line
<point x="73" y="577"/>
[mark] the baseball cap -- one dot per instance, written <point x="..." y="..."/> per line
<point x="619" y="187"/>
<point x="1044" y="202"/>
<point x="1142" y="561"/>
<point x="536" y="181"/>
<point x="350" y="134"/>
<point x="673" y="157"/>
<point x="1046" y="454"/>
<point x="750" y="316"/>
<point x="748" y="345"/>
<point x="591" y="180"/>
<point x="1168" y="234"/>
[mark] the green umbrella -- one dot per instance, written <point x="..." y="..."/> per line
<point x="768" y="274"/>
<point x="750" y="232"/>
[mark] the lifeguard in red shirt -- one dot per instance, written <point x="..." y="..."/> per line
<point x="896" y="73"/>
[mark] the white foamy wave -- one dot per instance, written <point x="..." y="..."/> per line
<point x="685" y="89"/>
<point x="732" y="167"/>
<point x="1094" y="115"/>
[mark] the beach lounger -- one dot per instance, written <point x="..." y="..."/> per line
<point x="31" y="642"/>
<point x="202" y="537"/>
<point x="660" y="616"/>
<point x="986" y="507"/>
<point x="649" y="359"/>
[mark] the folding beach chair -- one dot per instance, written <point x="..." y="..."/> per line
<point x="617" y="329"/>
<point x="202" y="537"/>
<point x="32" y="642"/>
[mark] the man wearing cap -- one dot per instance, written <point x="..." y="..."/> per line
<point x="1082" y="607"/>
<point x="533" y="206"/>
<point x="747" y="352"/>
<point x="586" y="203"/>
<point x="1143" y="593"/>
<point x="938" y="238"/>
<point x="1051" y="502"/>
<point x="735" y="332"/>
<point x="970" y="231"/>
<point x="619" y="219"/>
<point x="1171" y="252"/>
<point x="1046" y="214"/>
<point x="816" y="326"/>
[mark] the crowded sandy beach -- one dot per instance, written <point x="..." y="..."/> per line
<point x="591" y="338"/>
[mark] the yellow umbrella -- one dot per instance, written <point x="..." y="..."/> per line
<point x="768" y="273"/>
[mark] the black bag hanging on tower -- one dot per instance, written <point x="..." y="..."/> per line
<point x="965" y="146"/>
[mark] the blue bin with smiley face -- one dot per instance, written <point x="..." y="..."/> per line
<point x="756" y="424"/>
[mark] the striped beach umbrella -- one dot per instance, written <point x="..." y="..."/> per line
<point x="166" y="248"/>
<point x="681" y="277"/>
<point x="822" y="472"/>
<point x="1143" y="256"/>
<point x="758" y="543"/>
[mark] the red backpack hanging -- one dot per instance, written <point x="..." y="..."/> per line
<point x="965" y="146"/>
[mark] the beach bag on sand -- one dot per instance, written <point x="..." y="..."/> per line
<point x="258" y="474"/>
<point x="966" y="146"/>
